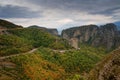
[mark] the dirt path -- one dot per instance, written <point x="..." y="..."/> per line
<point x="29" y="52"/>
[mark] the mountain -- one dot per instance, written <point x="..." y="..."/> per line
<point x="15" y="39"/>
<point x="52" y="31"/>
<point x="118" y="24"/>
<point x="6" y="25"/>
<point x="108" y="68"/>
<point x="9" y="25"/>
<point x="106" y="36"/>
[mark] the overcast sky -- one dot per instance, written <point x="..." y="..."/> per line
<point x="60" y="13"/>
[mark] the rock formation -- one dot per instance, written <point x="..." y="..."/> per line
<point x="106" y="35"/>
<point x="74" y="42"/>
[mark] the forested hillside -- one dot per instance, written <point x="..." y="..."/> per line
<point x="22" y="40"/>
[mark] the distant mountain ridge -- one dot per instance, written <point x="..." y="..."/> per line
<point x="4" y="25"/>
<point x="9" y="25"/>
<point x="52" y="31"/>
<point x="106" y="35"/>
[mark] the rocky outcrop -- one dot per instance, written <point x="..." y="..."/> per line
<point x="74" y="42"/>
<point x="52" y="31"/>
<point x="108" y="69"/>
<point x="106" y="35"/>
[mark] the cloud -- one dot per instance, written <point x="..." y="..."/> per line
<point x="60" y="13"/>
<point x="79" y="5"/>
<point x="10" y="11"/>
<point x="64" y="21"/>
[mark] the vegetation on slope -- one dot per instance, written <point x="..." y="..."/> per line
<point x="34" y="67"/>
<point x="21" y="40"/>
<point x="38" y="37"/>
<point x="77" y="61"/>
<point x="11" y="44"/>
<point x="48" y="64"/>
<point x="108" y="68"/>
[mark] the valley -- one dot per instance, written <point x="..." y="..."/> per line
<point x="80" y="53"/>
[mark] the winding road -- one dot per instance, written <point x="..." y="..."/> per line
<point x="29" y="52"/>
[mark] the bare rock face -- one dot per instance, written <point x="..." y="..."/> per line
<point x="106" y="35"/>
<point x="82" y="34"/>
<point x="117" y="40"/>
<point x="74" y="42"/>
<point x="108" y="69"/>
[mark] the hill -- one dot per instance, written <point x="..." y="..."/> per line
<point x="22" y="40"/>
<point x="45" y="64"/>
<point x="8" y="25"/>
<point x="15" y="39"/>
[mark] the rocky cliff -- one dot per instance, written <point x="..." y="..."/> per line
<point x="106" y="35"/>
<point x="108" y="69"/>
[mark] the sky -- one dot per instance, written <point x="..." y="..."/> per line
<point x="60" y="14"/>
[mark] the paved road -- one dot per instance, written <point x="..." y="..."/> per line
<point x="29" y="52"/>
